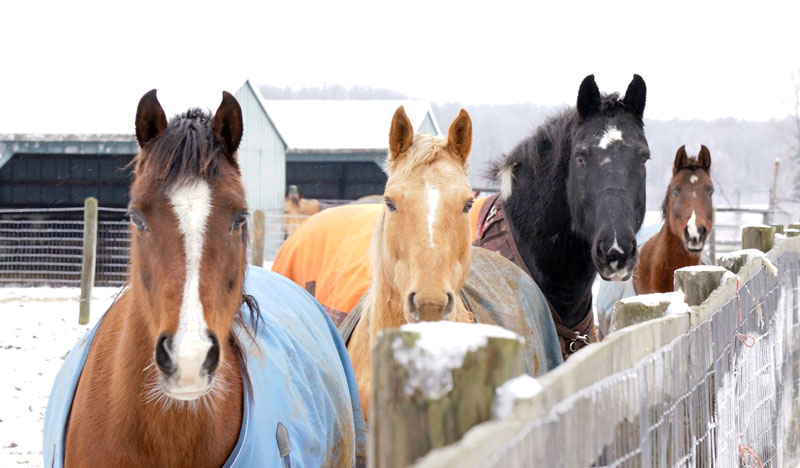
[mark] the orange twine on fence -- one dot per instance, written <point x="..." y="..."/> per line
<point x="744" y="452"/>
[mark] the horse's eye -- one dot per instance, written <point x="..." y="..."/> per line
<point x="137" y="220"/>
<point x="240" y="221"/>
<point x="675" y="192"/>
<point x="468" y="206"/>
<point x="390" y="204"/>
<point x="580" y="161"/>
<point x="711" y="191"/>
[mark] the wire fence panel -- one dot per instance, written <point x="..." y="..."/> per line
<point x="44" y="247"/>
<point x="724" y="394"/>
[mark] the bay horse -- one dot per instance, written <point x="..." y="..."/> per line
<point x="202" y="361"/>
<point x="410" y="259"/>
<point x="688" y="219"/>
<point x="573" y="195"/>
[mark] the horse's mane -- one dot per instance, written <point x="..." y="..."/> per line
<point x="552" y="139"/>
<point x="424" y="150"/>
<point x="186" y="150"/>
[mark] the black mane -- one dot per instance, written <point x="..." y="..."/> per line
<point x="187" y="149"/>
<point x="553" y="136"/>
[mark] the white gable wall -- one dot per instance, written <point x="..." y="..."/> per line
<point x="262" y="156"/>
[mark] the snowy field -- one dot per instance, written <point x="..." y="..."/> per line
<point x="38" y="327"/>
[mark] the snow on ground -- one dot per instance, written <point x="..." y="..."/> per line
<point x="38" y="327"/>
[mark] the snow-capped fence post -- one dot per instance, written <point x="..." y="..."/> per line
<point x="89" y="258"/>
<point x="778" y="228"/>
<point x="759" y="237"/>
<point x="637" y="309"/>
<point x="791" y="232"/>
<point x="257" y="254"/>
<point x="432" y="382"/>
<point x="698" y="282"/>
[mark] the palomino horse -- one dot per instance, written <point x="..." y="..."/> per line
<point x="573" y="197"/>
<point x="688" y="219"/>
<point x="422" y="265"/>
<point x="201" y="362"/>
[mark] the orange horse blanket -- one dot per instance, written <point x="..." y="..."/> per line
<point x="328" y="255"/>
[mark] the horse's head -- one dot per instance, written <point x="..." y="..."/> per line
<point x="189" y="239"/>
<point x="687" y="208"/>
<point x="606" y="181"/>
<point x="424" y="236"/>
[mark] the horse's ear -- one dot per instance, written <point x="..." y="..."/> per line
<point x="459" y="137"/>
<point x="150" y="118"/>
<point x="227" y="123"/>
<point x="681" y="160"/>
<point x="588" y="97"/>
<point x="704" y="159"/>
<point x="635" y="96"/>
<point x="401" y="134"/>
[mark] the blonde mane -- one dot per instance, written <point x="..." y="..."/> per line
<point x="424" y="150"/>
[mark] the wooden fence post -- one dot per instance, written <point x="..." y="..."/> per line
<point x="637" y="309"/>
<point x="758" y="237"/>
<point x="698" y="282"/>
<point x="258" y="238"/>
<point x="778" y="228"/>
<point x="791" y="232"/>
<point x="432" y="382"/>
<point x="89" y="258"/>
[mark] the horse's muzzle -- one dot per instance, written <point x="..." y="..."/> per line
<point x="615" y="257"/>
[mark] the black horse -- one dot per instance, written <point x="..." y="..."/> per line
<point x="574" y="196"/>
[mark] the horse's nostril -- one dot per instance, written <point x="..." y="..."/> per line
<point x="703" y="231"/>
<point x="412" y="305"/>
<point x="212" y="358"/>
<point x="448" y="308"/>
<point x="163" y="351"/>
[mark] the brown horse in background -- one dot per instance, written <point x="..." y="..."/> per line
<point x="688" y="220"/>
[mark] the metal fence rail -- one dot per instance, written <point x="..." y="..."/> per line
<point x="719" y="387"/>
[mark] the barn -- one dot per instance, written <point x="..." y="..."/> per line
<point x="60" y="171"/>
<point x="336" y="148"/>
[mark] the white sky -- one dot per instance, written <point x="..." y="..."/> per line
<point x="82" y="66"/>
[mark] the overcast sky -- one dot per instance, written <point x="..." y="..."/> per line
<point x="82" y="66"/>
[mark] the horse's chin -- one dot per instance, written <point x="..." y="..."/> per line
<point x="695" y="249"/>
<point x="187" y="394"/>
<point x="620" y="275"/>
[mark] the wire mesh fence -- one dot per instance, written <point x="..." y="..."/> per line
<point x="724" y="394"/>
<point x="45" y="247"/>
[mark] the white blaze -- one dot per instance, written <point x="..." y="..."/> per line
<point x="692" y="227"/>
<point x="692" y="178"/>
<point x="433" y="206"/>
<point x="610" y="136"/>
<point x="191" y="203"/>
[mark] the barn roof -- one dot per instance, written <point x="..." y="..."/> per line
<point x="329" y="126"/>
<point x="261" y="102"/>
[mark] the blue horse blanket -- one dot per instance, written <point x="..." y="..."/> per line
<point x="304" y="399"/>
